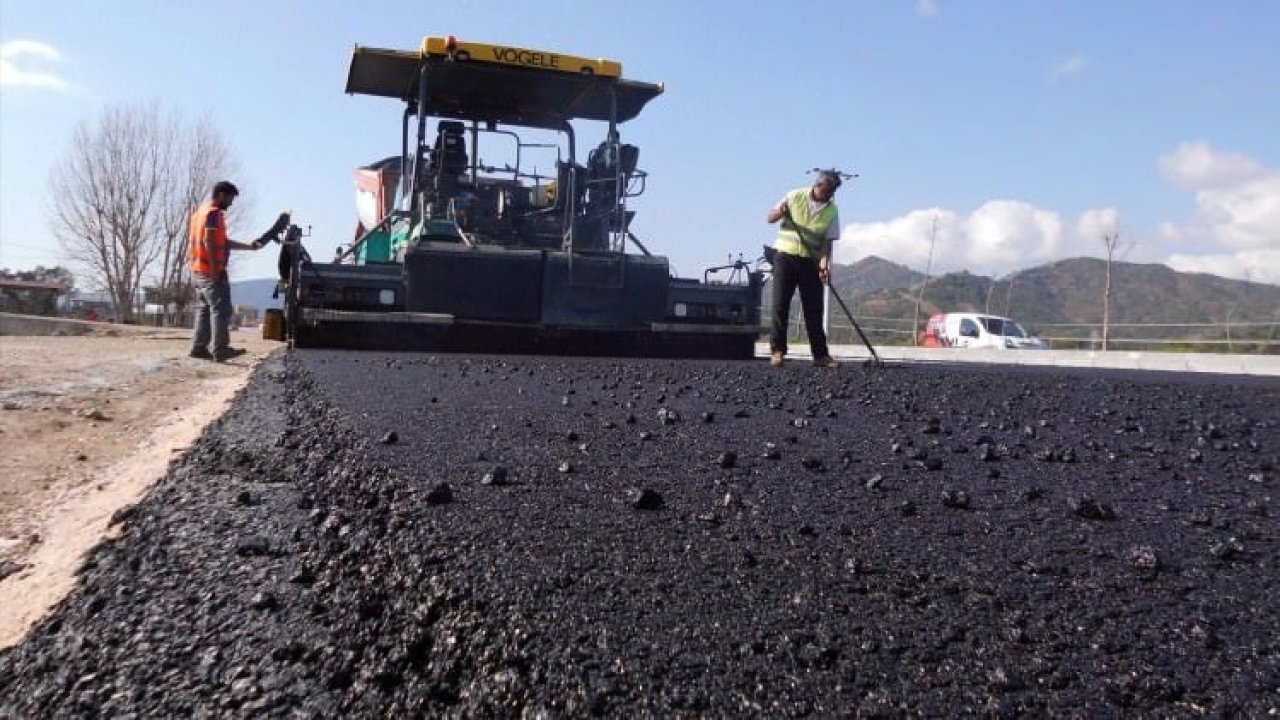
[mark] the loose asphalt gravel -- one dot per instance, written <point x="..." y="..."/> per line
<point x="387" y="535"/>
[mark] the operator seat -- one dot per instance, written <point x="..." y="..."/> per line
<point x="449" y="156"/>
<point x="604" y="166"/>
<point x="448" y="160"/>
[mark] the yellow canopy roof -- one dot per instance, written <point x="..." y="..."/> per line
<point x="505" y="93"/>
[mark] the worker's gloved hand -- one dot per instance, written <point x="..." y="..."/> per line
<point x="281" y="223"/>
<point x="273" y="233"/>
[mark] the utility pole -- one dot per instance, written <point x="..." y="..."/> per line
<point x="928" y="270"/>
<point x="1230" y="345"/>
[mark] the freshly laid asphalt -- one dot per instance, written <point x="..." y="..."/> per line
<point x="412" y="535"/>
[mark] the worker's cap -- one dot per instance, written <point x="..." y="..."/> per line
<point x="226" y="187"/>
<point x="831" y="176"/>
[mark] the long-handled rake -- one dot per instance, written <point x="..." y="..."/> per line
<point x="874" y="360"/>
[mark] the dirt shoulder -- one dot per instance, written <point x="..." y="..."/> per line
<point x="87" y="424"/>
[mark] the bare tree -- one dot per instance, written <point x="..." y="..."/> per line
<point x="1111" y="241"/>
<point x="103" y="198"/>
<point x="1235" y="305"/>
<point x="1008" y="292"/>
<point x="121" y="196"/>
<point x="201" y="158"/>
<point x="991" y="289"/>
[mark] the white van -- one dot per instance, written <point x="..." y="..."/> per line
<point x="976" y="330"/>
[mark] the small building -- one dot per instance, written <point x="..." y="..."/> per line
<point x="31" y="297"/>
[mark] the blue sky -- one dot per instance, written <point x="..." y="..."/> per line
<point x="1025" y="130"/>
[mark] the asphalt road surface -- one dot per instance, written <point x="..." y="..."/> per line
<point x="388" y="535"/>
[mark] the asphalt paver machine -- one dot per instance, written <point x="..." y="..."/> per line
<point x="456" y="252"/>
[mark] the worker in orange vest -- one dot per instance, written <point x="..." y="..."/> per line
<point x="208" y="251"/>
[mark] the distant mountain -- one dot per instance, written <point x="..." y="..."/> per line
<point x="1071" y="291"/>
<point x="255" y="293"/>
<point x="872" y="273"/>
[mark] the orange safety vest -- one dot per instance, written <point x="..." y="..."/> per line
<point x="197" y="256"/>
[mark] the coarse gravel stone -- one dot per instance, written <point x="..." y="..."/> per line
<point x="494" y="476"/>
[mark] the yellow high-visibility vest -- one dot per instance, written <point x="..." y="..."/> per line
<point x="814" y="226"/>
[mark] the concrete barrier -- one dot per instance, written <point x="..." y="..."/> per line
<point x="15" y="324"/>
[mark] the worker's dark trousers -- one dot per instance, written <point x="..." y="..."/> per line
<point x="789" y="272"/>
<point x="213" y="313"/>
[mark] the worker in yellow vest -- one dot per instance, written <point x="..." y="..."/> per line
<point x="810" y="224"/>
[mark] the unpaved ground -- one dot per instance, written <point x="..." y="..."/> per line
<point x="86" y="425"/>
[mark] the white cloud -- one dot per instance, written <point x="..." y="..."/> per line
<point x="1197" y="166"/>
<point x="1255" y="265"/>
<point x="1170" y="232"/>
<point x="1073" y="65"/>
<point x="23" y="64"/>
<point x="1233" y="231"/>
<point x="1237" y="213"/>
<point x="903" y="239"/>
<point x="1096" y="223"/>
<point x="1004" y="231"/>
<point x="927" y="8"/>
<point x="999" y="236"/>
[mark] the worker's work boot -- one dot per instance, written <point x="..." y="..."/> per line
<point x="776" y="359"/>
<point x="225" y="355"/>
<point x="825" y="362"/>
